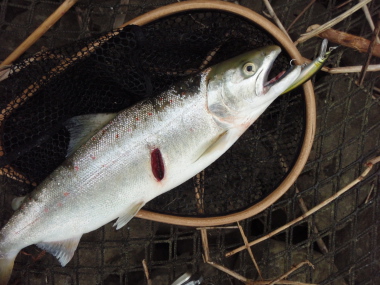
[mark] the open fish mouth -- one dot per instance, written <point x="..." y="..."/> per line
<point x="268" y="84"/>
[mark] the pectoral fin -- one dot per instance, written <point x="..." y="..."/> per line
<point x="219" y="146"/>
<point x="63" y="250"/>
<point x="126" y="216"/>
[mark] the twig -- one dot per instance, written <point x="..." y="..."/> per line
<point x="146" y="271"/>
<point x="300" y="14"/>
<point x="218" y="228"/>
<point x="329" y="24"/>
<point x="348" y="40"/>
<point x="370" y="51"/>
<point x="321" y="244"/>
<point x="120" y="18"/>
<point x="249" y="250"/>
<point x="346" y="69"/>
<point x="284" y="282"/>
<point x="369" y="196"/>
<point x="199" y="191"/>
<point x="369" y="19"/>
<point x="206" y="258"/>
<point x="292" y="270"/>
<point x="369" y="165"/>
<point x="206" y="252"/>
<point x="40" y="31"/>
<point x="275" y="18"/>
<point x="342" y="5"/>
<point x="4" y="72"/>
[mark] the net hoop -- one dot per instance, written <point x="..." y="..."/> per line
<point x="310" y="120"/>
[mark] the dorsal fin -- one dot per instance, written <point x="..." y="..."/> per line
<point x="83" y="127"/>
<point x="63" y="250"/>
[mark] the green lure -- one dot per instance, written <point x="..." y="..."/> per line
<point x="309" y="70"/>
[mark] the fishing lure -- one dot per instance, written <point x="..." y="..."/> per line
<point x="308" y="70"/>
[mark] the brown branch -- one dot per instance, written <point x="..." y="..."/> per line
<point x="348" y="40"/>
<point x="369" y="165"/>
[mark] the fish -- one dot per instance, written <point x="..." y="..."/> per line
<point x="140" y="153"/>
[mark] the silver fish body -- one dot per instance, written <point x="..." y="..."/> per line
<point x="141" y="153"/>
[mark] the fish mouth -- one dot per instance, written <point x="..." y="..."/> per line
<point x="281" y="81"/>
<point x="267" y="85"/>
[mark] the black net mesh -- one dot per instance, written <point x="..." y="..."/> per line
<point x="107" y="72"/>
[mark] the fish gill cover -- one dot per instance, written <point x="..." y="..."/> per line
<point x="111" y="71"/>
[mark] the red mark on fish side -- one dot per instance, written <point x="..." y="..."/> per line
<point x="46" y="210"/>
<point x="76" y="168"/>
<point x="66" y="194"/>
<point x="150" y="114"/>
<point x="92" y="156"/>
<point x="117" y="136"/>
<point x="137" y="119"/>
<point x="157" y="163"/>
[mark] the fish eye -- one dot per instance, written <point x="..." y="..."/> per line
<point x="249" y="68"/>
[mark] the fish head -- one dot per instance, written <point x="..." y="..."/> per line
<point x="239" y="87"/>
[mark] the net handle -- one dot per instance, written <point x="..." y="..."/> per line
<point x="290" y="48"/>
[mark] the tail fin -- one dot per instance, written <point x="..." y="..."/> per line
<point x="6" y="266"/>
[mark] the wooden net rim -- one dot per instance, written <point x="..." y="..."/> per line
<point x="308" y="95"/>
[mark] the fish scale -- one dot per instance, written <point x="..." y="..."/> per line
<point x="141" y="153"/>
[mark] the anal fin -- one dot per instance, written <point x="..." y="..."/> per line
<point x="63" y="250"/>
<point x="127" y="215"/>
